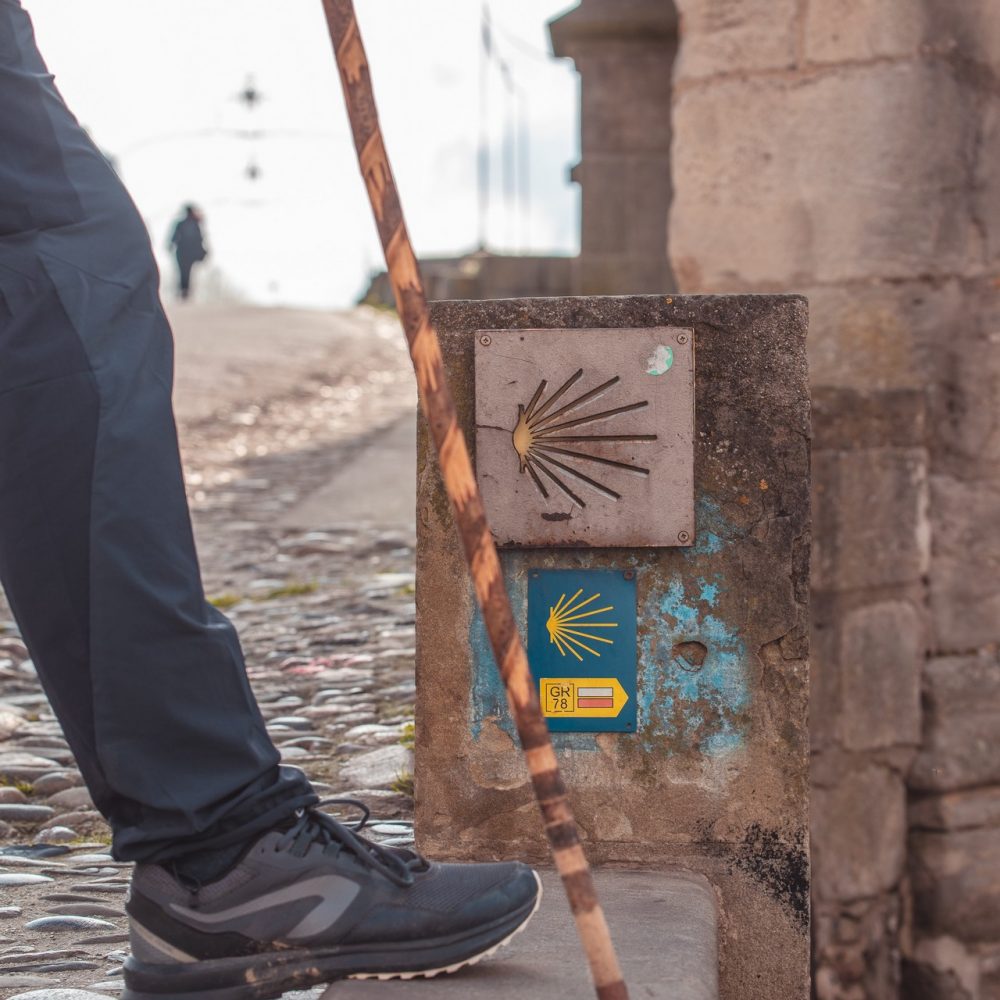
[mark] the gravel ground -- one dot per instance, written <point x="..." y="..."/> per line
<point x="325" y="612"/>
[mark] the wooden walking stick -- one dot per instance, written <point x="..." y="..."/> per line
<point x="467" y="504"/>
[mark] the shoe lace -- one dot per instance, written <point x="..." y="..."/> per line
<point x="314" y="827"/>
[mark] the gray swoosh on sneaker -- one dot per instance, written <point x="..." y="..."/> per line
<point x="335" y="894"/>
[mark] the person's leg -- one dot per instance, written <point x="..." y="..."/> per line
<point x="184" y="272"/>
<point x="96" y="553"/>
<point x="98" y="562"/>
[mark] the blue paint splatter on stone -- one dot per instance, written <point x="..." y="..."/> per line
<point x="712" y="530"/>
<point x="489" y="697"/>
<point x="696" y="708"/>
<point x="681" y="709"/>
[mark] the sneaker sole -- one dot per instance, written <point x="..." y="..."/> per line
<point x="272" y="974"/>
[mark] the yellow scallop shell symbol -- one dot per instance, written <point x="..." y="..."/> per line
<point x="569" y="625"/>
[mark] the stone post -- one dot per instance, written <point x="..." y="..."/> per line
<point x="850" y="151"/>
<point x="712" y="774"/>
<point x="623" y="50"/>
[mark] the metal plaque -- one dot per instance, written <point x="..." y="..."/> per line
<point x="586" y="437"/>
<point x="582" y="648"/>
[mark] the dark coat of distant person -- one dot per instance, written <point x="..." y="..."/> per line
<point x="188" y="243"/>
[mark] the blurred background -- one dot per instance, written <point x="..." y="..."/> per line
<point x="237" y="108"/>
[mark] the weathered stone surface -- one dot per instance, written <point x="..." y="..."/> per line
<point x="65" y="922"/>
<point x="961" y="746"/>
<point x="851" y="419"/>
<point x="20" y="982"/>
<point x="860" y="827"/>
<point x="870" y="511"/>
<point x="965" y="571"/>
<point x="971" y="27"/>
<point x="721" y="34"/>
<point x="941" y="969"/>
<point x="378" y="768"/>
<point x="968" y="393"/>
<point x="16" y="766"/>
<point x="956" y="810"/>
<point x="956" y="883"/>
<point x="57" y="781"/>
<point x="987" y="189"/>
<point x="703" y="768"/>
<point x="881" y="653"/>
<point x="880" y="336"/>
<point x="16" y="812"/>
<point x="10" y="722"/>
<point x="667" y="940"/>
<point x="14" y="879"/>
<point x="854" y="948"/>
<point x="71" y="798"/>
<point x="841" y="30"/>
<point x="862" y="126"/>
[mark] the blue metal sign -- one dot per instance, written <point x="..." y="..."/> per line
<point x="582" y="648"/>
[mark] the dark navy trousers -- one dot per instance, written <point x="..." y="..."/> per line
<point x="97" y="557"/>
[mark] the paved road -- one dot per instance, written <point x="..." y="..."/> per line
<point x="231" y="356"/>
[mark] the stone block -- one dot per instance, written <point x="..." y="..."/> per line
<point x="620" y="274"/>
<point x="665" y="929"/>
<point x="965" y="569"/>
<point x="967" y="394"/>
<point x="847" y="30"/>
<point x="714" y="777"/>
<point x="971" y="27"/>
<point x="719" y="35"/>
<point x="824" y="672"/>
<point x="626" y="98"/>
<point x="815" y="178"/>
<point x="848" y="419"/>
<point x="881" y="655"/>
<point x="857" y="657"/>
<point x="628" y="211"/>
<point x="855" y="949"/>
<point x="859" y="835"/>
<point x="880" y="337"/>
<point x="978" y="807"/>
<point x="961" y="747"/>
<point x="941" y="969"/>
<point x="870" y="511"/>
<point x="956" y="883"/>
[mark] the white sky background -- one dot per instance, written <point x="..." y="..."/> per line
<point x="143" y="75"/>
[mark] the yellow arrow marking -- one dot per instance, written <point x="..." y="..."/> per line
<point x="582" y="697"/>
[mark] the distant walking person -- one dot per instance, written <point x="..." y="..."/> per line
<point x="188" y="243"/>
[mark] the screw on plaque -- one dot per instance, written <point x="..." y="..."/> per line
<point x="682" y="338"/>
<point x="683" y="536"/>
<point x="486" y="340"/>
<point x="629" y="574"/>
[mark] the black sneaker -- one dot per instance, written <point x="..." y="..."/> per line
<point x="313" y="904"/>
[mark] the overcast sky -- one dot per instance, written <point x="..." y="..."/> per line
<point x="157" y="84"/>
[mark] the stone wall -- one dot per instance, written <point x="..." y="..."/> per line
<point x="850" y="150"/>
